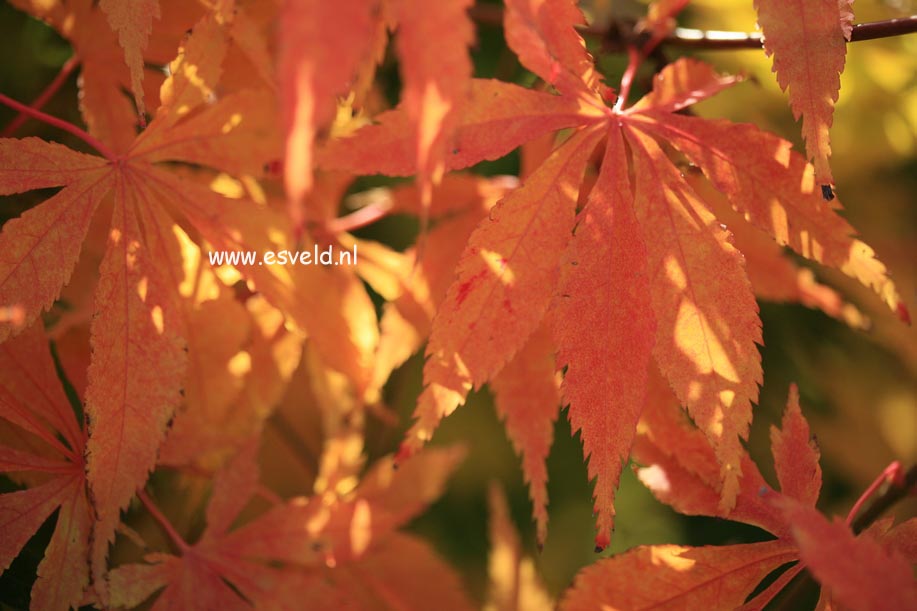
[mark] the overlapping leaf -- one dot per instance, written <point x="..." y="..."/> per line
<point x="319" y="64"/>
<point x="612" y="268"/>
<point x="46" y="452"/>
<point x="808" y="43"/>
<point x="104" y="72"/>
<point x="862" y="572"/>
<point x="307" y="549"/>
<point x="133" y="22"/>
<point x="696" y="288"/>
<point x="138" y="363"/>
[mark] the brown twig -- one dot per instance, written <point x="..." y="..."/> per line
<point x="617" y="35"/>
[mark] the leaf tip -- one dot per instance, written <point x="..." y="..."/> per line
<point x="903" y="313"/>
<point x="602" y="540"/>
<point x="404" y="452"/>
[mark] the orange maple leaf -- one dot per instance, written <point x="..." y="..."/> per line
<point x="133" y="21"/>
<point x="808" y="42"/>
<point x="319" y="64"/>
<point x="435" y="83"/>
<point x="44" y="449"/>
<point x="138" y="363"/>
<point x="105" y="74"/>
<point x="527" y="398"/>
<point x="679" y="469"/>
<point x="696" y="294"/>
<point x="306" y="549"/>
<point x="858" y="572"/>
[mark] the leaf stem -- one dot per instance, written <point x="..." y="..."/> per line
<point x="61" y="124"/>
<point x="163" y="521"/>
<point x="634" y="59"/>
<point x="43" y="98"/>
<point x="636" y="56"/>
<point x="617" y="35"/>
<point x="900" y="485"/>
<point x="360" y="218"/>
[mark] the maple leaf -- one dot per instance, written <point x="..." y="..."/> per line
<point x="133" y="21"/>
<point x="435" y="84"/>
<point x="319" y="548"/>
<point x="201" y="577"/>
<point x="606" y="353"/>
<point x="49" y="444"/>
<point x="138" y="363"/>
<point x="857" y="571"/>
<point x="697" y="295"/>
<point x="526" y="392"/>
<point x="319" y="65"/>
<point x="774" y="276"/>
<point x="675" y="576"/>
<point x="458" y="204"/>
<point x="808" y="43"/>
<point x="680" y="470"/>
<point x="527" y="399"/>
<point x="542" y="35"/>
<point x="104" y="73"/>
<point x="316" y="65"/>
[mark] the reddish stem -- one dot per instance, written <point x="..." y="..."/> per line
<point x="268" y="495"/>
<point x="43" y="98"/>
<point x="60" y="124"/>
<point x="163" y="521"/>
<point x="892" y="473"/>
<point x="361" y="218"/>
<point x="634" y="59"/>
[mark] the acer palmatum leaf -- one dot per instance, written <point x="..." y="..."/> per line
<point x="527" y="399"/>
<point x="133" y="21"/>
<point x="505" y="281"/>
<point x="606" y="352"/>
<point x="677" y="577"/>
<point x="808" y="42"/>
<point x="42" y="445"/>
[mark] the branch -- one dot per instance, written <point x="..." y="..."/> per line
<point x="617" y="35"/>
<point x="717" y="40"/>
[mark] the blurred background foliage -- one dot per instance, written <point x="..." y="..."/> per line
<point x="857" y="387"/>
